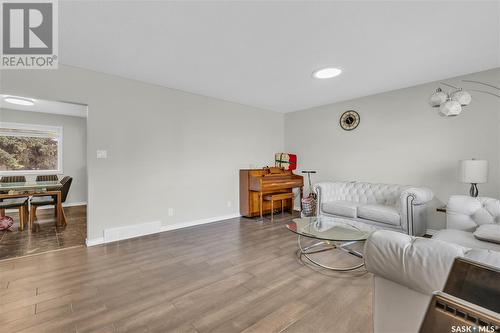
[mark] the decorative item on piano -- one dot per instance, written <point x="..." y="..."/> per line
<point x="285" y="161"/>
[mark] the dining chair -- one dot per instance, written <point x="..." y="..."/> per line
<point x="46" y="178"/>
<point x="48" y="200"/>
<point x="20" y="203"/>
<point x="13" y="179"/>
<point x="49" y="178"/>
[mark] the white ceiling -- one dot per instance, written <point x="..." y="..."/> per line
<point x="263" y="53"/>
<point x="45" y="106"/>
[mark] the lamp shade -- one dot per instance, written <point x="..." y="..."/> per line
<point x="473" y="171"/>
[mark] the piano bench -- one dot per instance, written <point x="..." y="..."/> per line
<point x="278" y="197"/>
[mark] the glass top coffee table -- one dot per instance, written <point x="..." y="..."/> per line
<point x="333" y="234"/>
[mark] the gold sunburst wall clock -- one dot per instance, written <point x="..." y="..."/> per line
<point x="349" y="120"/>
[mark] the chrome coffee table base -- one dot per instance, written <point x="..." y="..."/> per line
<point x="323" y="246"/>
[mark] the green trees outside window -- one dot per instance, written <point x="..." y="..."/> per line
<point x="28" y="153"/>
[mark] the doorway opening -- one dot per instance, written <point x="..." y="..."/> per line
<point x="43" y="175"/>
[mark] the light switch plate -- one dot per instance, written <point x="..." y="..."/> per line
<point x="102" y="154"/>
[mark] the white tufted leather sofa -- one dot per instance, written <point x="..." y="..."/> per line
<point x="407" y="270"/>
<point x="395" y="207"/>
<point x="463" y="215"/>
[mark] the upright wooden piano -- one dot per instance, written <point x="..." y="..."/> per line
<point x="254" y="183"/>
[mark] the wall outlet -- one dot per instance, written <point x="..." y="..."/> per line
<point x="170" y="212"/>
<point x="102" y="154"/>
<point x="229" y="203"/>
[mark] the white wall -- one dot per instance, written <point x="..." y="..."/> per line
<point x="166" y="148"/>
<point x="74" y="146"/>
<point x="401" y="139"/>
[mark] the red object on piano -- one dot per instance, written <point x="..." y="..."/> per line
<point x="285" y="161"/>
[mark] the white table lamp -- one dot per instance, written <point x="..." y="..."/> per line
<point x="473" y="172"/>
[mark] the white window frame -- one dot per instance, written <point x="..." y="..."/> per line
<point x="42" y="128"/>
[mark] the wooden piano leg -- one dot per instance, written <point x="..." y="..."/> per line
<point x="260" y="204"/>
<point x="272" y="211"/>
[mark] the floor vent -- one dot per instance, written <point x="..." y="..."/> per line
<point x="131" y="231"/>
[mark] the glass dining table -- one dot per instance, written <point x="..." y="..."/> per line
<point x="35" y="188"/>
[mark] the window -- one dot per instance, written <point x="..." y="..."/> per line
<point x="26" y="149"/>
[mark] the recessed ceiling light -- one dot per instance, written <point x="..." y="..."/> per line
<point x="327" y="73"/>
<point x="19" y="101"/>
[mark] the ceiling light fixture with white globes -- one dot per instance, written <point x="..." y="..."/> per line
<point x="450" y="103"/>
<point x="19" y="101"/>
<point x="327" y="73"/>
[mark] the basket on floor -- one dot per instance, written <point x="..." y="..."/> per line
<point x="6" y="222"/>
<point x="309" y="206"/>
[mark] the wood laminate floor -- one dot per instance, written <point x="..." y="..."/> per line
<point x="238" y="275"/>
<point x="15" y="243"/>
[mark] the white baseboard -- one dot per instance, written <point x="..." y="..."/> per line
<point x="138" y="230"/>
<point x="94" y="241"/>
<point x="198" y="222"/>
<point x="131" y="231"/>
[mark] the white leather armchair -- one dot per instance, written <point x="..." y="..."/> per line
<point x="407" y="270"/>
<point x="394" y="207"/>
<point x="463" y="215"/>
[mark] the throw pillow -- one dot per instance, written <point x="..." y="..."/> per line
<point x="488" y="233"/>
